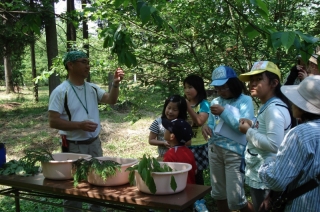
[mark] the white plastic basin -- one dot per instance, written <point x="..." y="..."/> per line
<point x="163" y="179"/>
<point x="121" y="177"/>
<point x="60" y="168"/>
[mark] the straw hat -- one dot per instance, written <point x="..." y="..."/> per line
<point x="314" y="58"/>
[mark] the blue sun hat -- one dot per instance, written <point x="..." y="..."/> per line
<point x="221" y="75"/>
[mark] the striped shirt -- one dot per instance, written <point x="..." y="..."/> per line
<point x="157" y="128"/>
<point x="297" y="161"/>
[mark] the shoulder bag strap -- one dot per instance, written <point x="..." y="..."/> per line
<point x="308" y="186"/>
<point x="66" y="108"/>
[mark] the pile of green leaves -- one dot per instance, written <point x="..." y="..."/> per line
<point x="103" y="168"/>
<point x="27" y="165"/>
<point x="145" y="167"/>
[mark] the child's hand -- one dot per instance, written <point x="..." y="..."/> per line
<point x="244" y="125"/>
<point x="206" y="132"/>
<point x="216" y="109"/>
<point x="166" y="144"/>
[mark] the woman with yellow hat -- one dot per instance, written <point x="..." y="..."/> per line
<point x="273" y="121"/>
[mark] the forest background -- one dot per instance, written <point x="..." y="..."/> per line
<point x="157" y="42"/>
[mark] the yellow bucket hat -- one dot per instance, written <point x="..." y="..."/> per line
<point x="260" y="67"/>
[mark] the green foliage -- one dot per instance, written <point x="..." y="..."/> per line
<point x="103" y="168"/>
<point x="26" y="166"/>
<point x="164" y="41"/>
<point x="145" y="167"/>
<point x="17" y="168"/>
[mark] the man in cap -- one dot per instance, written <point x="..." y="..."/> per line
<point x="73" y="107"/>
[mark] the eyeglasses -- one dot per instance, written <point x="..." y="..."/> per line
<point x="220" y="89"/>
<point x="85" y="62"/>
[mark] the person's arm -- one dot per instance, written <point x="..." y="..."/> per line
<point x="154" y="141"/>
<point x="289" y="162"/>
<point x="56" y="122"/>
<point x="271" y="139"/>
<point x="112" y="97"/>
<point x="201" y="118"/>
<point x="245" y="111"/>
<point x="154" y="131"/>
<point x="208" y="128"/>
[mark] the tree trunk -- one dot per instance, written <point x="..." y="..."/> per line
<point x="33" y="64"/>
<point x="85" y="35"/>
<point x="52" y="49"/>
<point x="71" y="30"/>
<point x="34" y="72"/>
<point x="8" y="73"/>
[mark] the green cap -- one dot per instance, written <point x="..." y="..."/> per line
<point x="260" y="67"/>
<point x="72" y="56"/>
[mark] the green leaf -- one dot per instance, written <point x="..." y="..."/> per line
<point x="275" y="39"/>
<point x="307" y="38"/>
<point x="306" y="50"/>
<point x="156" y="165"/>
<point x="117" y="3"/>
<point x="131" y="177"/>
<point x="134" y="4"/>
<point x="251" y="32"/>
<point x="142" y="164"/>
<point x="297" y="43"/>
<point x="263" y="6"/>
<point x="121" y="57"/>
<point x="144" y="175"/>
<point x="127" y="61"/>
<point x="125" y="3"/>
<point x="132" y="58"/>
<point x="173" y="183"/>
<point x="158" y="20"/>
<point x="150" y="182"/>
<point x="152" y="9"/>
<point x="287" y="39"/>
<point x="20" y="171"/>
<point x="263" y="14"/>
<point x="106" y="42"/>
<point x="145" y="14"/>
<point x="139" y="5"/>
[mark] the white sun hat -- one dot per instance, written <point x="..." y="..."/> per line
<point x="306" y="95"/>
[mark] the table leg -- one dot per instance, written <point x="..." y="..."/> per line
<point x="17" y="200"/>
<point x="138" y="209"/>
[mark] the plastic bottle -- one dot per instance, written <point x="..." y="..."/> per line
<point x="200" y="206"/>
